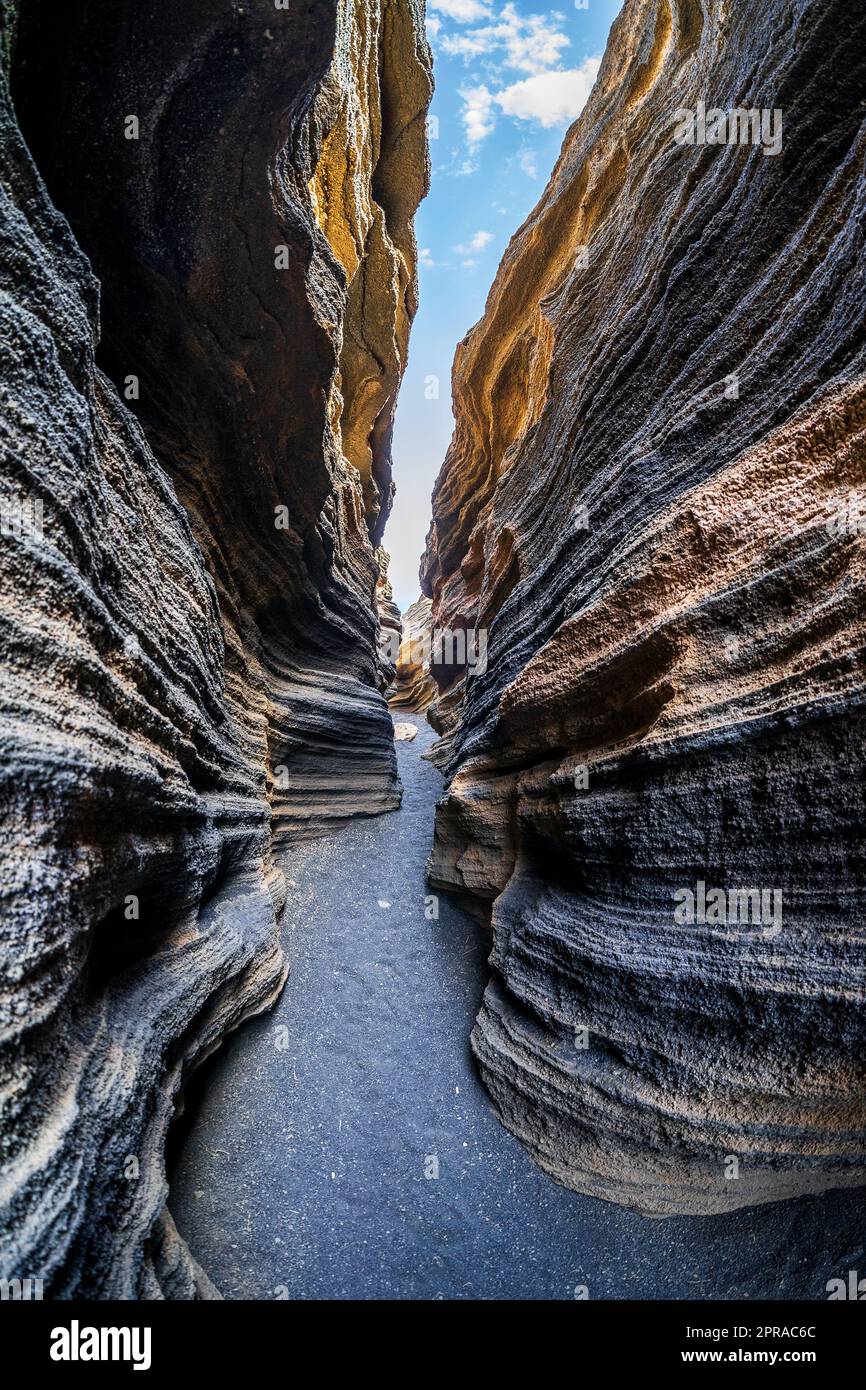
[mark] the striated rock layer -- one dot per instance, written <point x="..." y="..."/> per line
<point x="390" y="623"/>
<point x="413" y="687"/>
<point x="653" y="502"/>
<point x="189" y="617"/>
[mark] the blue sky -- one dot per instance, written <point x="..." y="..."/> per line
<point x="510" y="79"/>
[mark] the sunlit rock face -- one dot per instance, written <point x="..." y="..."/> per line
<point x="414" y="687"/>
<point x="654" y="503"/>
<point x="189" y="610"/>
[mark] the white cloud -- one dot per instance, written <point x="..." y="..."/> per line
<point x="426" y="258"/>
<point x="478" y="117"/>
<point x="524" y="44"/>
<point x="476" y="243"/>
<point x="464" y="11"/>
<point x="529" y="43"/>
<point x="551" y="98"/>
<point x="529" y="163"/>
<point x="433" y="24"/>
<point x="535" y="44"/>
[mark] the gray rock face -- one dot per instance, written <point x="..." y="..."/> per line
<point x="653" y="504"/>
<point x="189" y="615"/>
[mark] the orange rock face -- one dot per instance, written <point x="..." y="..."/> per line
<point x="653" y="504"/>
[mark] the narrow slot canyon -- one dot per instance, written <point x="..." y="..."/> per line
<point x="343" y="1146"/>
<point x="499" y="936"/>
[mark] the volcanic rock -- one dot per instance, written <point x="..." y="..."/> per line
<point x="199" y="370"/>
<point x="405" y="732"/>
<point x="647" y="504"/>
<point x="414" y="687"/>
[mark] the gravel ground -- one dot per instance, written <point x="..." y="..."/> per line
<point x="305" y="1167"/>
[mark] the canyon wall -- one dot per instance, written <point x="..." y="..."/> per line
<point x="654" y="505"/>
<point x="199" y="374"/>
<point x="413" y="687"/>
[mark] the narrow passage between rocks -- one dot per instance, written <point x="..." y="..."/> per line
<point x="311" y="1140"/>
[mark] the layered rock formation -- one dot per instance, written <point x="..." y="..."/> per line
<point x="189" y="613"/>
<point x="390" y="622"/>
<point x="413" y="687"/>
<point x="651" y="503"/>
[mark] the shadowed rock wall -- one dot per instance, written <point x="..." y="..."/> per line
<point x="190" y="627"/>
<point x="653" y="501"/>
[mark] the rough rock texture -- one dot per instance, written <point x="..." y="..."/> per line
<point x="651" y="439"/>
<point x="360" y="1004"/>
<point x="414" y="687"/>
<point x="191" y="672"/>
<point x="390" y="623"/>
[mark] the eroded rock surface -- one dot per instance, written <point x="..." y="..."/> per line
<point x="191" y="674"/>
<point x="414" y="687"/>
<point x="390" y="623"/>
<point x="651" y="504"/>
